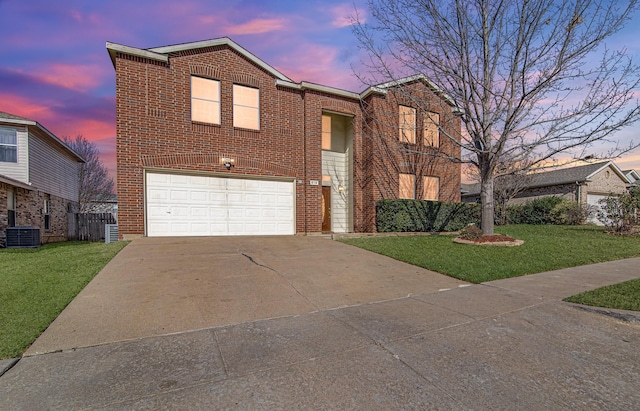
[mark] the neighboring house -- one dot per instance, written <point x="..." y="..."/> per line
<point x="633" y="177"/>
<point x="585" y="184"/>
<point x="211" y="140"/>
<point x="39" y="177"/>
<point x="105" y="204"/>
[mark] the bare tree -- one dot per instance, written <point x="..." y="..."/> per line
<point x="531" y="78"/>
<point x="95" y="183"/>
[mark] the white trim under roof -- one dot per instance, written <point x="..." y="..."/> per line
<point x="114" y="47"/>
<point x="615" y="168"/>
<point x="633" y="173"/>
<point x="15" y="183"/>
<point x="219" y="42"/>
<point x="305" y="85"/>
<point x="27" y="122"/>
<point x="423" y="78"/>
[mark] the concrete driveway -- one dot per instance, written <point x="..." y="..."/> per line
<point x="158" y="286"/>
<point x="308" y="323"/>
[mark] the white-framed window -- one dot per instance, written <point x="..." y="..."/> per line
<point x="11" y="207"/>
<point x="47" y="214"/>
<point x="205" y="100"/>
<point x="430" y="188"/>
<point x="407" y="186"/>
<point x="431" y="134"/>
<point x="407" y="124"/>
<point x="326" y="132"/>
<point x="246" y="107"/>
<point x="8" y="145"/>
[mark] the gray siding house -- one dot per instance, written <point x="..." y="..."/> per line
<point x="39" y="178"/>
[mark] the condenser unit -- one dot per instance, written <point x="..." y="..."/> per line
<point x="23" y="237"/>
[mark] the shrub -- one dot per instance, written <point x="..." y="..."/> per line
<point x="620" y="213"/>
<point x="534" y="212"/>
<point x="471" y="232"/>
<point x="569" y="212"/>
<point x="400" y="215"/>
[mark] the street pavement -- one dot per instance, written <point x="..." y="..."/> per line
<point x="310" y="323"/>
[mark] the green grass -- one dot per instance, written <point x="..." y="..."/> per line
<point x="623" y="296"/>
<point x="546" y="247"/>
<point x="37" y="284"/>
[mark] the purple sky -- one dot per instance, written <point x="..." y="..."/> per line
<point x="54" y="67"/>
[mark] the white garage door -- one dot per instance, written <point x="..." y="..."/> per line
<point x="593" y="200"/>
<point x="191" y="205"/>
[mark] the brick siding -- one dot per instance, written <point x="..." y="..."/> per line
<point x="29" y="212"/>
<point x="155" y="131"/>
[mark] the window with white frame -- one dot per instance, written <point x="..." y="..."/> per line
<point x="407" y="124"/>
<point x="8" y="145"/>
<point x="430" y="188"/>
<point x="431" y="133"/>
<point x="11" y="207"/>
<point x="246" y="107"/>
<point x="47" y="214"/>
<point x="407" y="186"/>
<point x="205" y="100"/>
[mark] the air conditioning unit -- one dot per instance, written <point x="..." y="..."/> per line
<point x="110" y="233"/>
<point x="23" y="237"/>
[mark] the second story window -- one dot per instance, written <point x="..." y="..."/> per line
<point x="326" y="132"/>
<point x="205" y="100"/>
<point x="246" y="107"/>
<point x="431" y="133"/>
<point x="8" y="145"/>
<point x="407" y="125"/>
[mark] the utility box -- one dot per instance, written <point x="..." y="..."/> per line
<point x="22" y="237"/>
<point x="110" y="233"/>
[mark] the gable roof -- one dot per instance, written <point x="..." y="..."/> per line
<point x="578" y="174"/>
<point x="632" y="175"/>
<point x="7" y="118"/>
<point x="163" y="53"/>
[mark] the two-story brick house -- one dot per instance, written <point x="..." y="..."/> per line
<point x="39" y="177"/>
<point x="211" y="140"/>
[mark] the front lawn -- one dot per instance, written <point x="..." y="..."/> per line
<point x="37" y="284"/>
<point x="623" y="296"/>
<point x="546" y="248"/>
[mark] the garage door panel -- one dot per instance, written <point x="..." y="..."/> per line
<point x="182" y="205"/>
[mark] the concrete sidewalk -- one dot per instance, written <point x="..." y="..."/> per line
<point x="508" y="344"/>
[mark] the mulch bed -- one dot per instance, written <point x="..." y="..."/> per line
<point x="497" y="240"/>
<point x="492" y="239"/>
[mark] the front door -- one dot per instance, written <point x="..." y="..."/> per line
<point x="326" y="209"/>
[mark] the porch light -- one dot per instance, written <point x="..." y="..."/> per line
<point x="228" y="163"/>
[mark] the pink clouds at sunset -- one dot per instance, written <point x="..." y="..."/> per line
<point x="258" y="26"/>
<point x="54" y="67"/>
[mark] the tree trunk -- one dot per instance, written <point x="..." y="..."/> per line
<point x="486" y="201"/>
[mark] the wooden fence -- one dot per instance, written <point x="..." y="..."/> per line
<point x="89" y="227"/>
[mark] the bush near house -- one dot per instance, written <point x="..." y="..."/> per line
<point x="621" y="213"/>
<point x="569" y="212"/>
<point x="536" y="211"/>
<point x="401" y="215"/>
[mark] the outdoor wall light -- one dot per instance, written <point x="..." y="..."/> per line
<point x="341" y="188"/>
<point x="228" y="163"/>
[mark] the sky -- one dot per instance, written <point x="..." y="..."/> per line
<point x="55" y="69"/>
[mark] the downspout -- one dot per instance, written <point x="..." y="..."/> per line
<point x="578" y="193"/>
<point x="304" y="157"/>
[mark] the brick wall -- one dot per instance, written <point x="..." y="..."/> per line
<point x="155" y="131"/>
<point x="29" y="212"/>
<point x="385" y="156"/>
